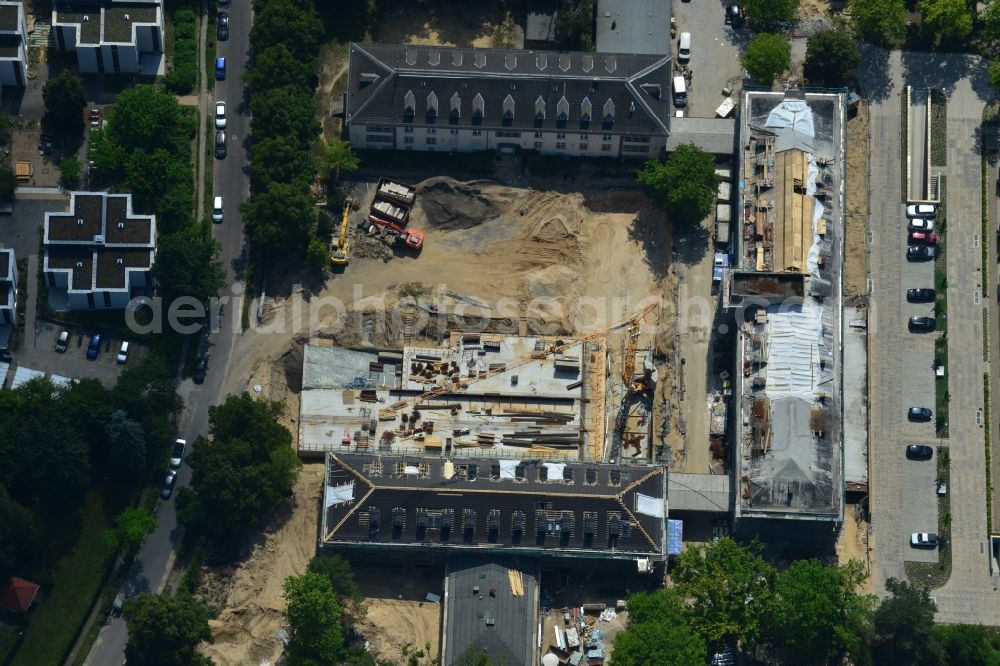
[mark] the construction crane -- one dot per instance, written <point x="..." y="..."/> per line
<point x="341" y="253"/>
<point x="632" y="322"/>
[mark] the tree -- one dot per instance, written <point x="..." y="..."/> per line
<point x="152" y="176"/>
<point x="831" y="57"/>
<point x="313" y="616"/>
<point x="879" y="21"/>
<point x="145" y="118"/>
<point x="187" y="264"/>
<point x="767" y="56"/>
<point x="685" y="186"/>
<point x="280" y="219"/>
<point x="8" y="183"/>
<point x="338" y="571"/>
<point x="317" y="255"/>
<point x="107" y="155"/>
<point x="659" y="632"/>
<point x="278" y="159"/>
<point x="337" y="157"/>
<point x="730" y="589"/>
<point x="771" y="13"/>
<point x="131" y="527"/>
<point x="990" y="30"/>
<point x="69" y="171"/>
<point x="126" y="448"/>
<point x="243" y="472"/>
<point x="903" y="626"/>
<point x="474" y="656"/>
<point x="950" y="20"/>
<point x="276" y="66"/>
<point x="21" y="535"/>
<point x="993" y="74"/>
<point x="285" y="112"/>
<point x="165" y="630"/>
<point x="65" y="100"/>
<point x="294" y="24"/>
<point x="818" y="615"/>
<point x="968" y="644"/>
<point x="147" y="388"/>
<point x="575" y="24"/>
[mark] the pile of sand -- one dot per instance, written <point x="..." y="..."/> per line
<point x="446" y="203"/>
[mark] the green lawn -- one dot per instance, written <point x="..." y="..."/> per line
<point x="61" y="611"/>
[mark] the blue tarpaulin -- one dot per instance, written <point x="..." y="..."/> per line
<point x="675" y="533"/>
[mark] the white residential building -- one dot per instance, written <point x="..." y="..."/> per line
<point x="13" y="45"/>
<point x="111" y="36"/>
<point x="98" y="254"/>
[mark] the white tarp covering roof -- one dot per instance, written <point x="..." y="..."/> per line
<point x="554" y="470"/>
<point x="24" y="375"/>
<point x="649" y="506"/>
<point x="507" y="468"/>
<point x="59" y="380"/>
<point x="793" y="114"/>
<point x="338" y="494"/>
<point x="793" y="351"/>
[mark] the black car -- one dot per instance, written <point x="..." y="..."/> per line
<point x="922" y="324"/>
<point x="734" y="16"/>
<point x="220" y="145"/>
<point x="920" y="295"/>
<point x="920" y="413"/>
<point x="222" y="30"/>
<point x="920" y="252"/>
<point x="919" y="452"/>
<point x="200" y="368"/>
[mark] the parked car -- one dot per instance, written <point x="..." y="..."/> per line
<point x="200" y="368"/>
<point x="168" y="485"/>
<point x="62" y="342"/>
<point x="921" y="210"/>
<point x="684" y="47"/>
<point x="734" y="16"/>
<point x="923" y="238"/>
<point x="94" y="347"/>
<point x="220" y="115"/>
<point x="118" y="605"/>
<point x="923" y="540"/>
<point x="222" y="28"/>
<point x="220" y="69"/>
<point x="919" y="452"/>
<point x="177" y="454"/>
<point x="217" y="209"/>
<point x="923" y="295"/>
<point x="926" y="324"/>
<point x="920" y="414"/>
<point x="220" y="145"/>
<point x="920" y="252"/>
<point x="921" y="224"/>
<point x="123" y="353"/>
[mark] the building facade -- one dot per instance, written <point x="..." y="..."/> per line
<point x="98" y="254"/>
<point x="113" y="36"/>
<point x="8" y="287"/>
<point x="13" y="45"/>
<point x="404" y="97"/>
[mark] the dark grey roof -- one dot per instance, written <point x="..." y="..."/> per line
<point x="541" y="23"/>
<point x="490" y="619"/>
<point x="631" y="91"/>
<point x="595" y="510"/>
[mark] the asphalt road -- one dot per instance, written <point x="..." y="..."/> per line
<point x="231" y="181"/>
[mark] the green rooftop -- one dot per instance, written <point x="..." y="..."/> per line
<point x="118" y="21"/>
<point x="89" y="20"/>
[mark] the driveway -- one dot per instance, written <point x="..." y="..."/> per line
<point x="715" y="53"/>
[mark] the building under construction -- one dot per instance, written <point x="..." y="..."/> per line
<point x="785" y="290"/>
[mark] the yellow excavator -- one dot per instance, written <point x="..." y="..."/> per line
<point x="341" y="252"/>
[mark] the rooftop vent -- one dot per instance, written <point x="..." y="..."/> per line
<point x="99" y="238"/>
<point x="86" y="18"/>
<point x="119" y="261"/>
<point x="79" y="264"/>
<point x="367" y="78"/>
<point x="79" y="221"/>
<point x="121" y="225"/>
<point x="127" y="17"/>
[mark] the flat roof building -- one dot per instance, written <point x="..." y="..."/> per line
<point x="633" y="26"/>
<point x="515" y="507"/>
<point x="111" y="36"/>
<point x="785" y="289"/>
<point x="13" y="45"/>
<point x="460" y="99"/>
<point x="98" y="254"/>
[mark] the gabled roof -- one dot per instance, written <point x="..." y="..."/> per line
<point x="484" y="503"/>
<point x="18" y="595"/>
<point x="385" y="80"/>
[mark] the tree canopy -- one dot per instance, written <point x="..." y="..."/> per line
<point x="879" y="21"/>
<point x="990" y="30"/>
<point x="949" y="20"/>
<point x="240" y="474"/>
<point x="338" y="571"/>
<point x="338" y="157"/>
<point x="64" y="100"/>
<point x="126" y="448"/>
<point x="831" y="56"/>
<point x="575" y="24"/>
<point x="165" y="630"/>
<point x="767" y="55"/>
<point x="771" y="13"/>
<point x="685" y="186"/>
<point x="315" y="638"/>
<point x="131" y="527"/>
<point x="659" y="632"/>
<point x="187" y="264"/>
<point x="903" y="626"/>
<point x="294" y="24"/>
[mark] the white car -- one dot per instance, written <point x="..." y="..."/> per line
<point x="123" y="353"/>
<point x="923" y="540"/>
<point x="921" y="210"/>
<point x="177" y="454"/>
<point x="921" y="224"/>
<point x="220" y="115"/>
<point x="217" y="209"/>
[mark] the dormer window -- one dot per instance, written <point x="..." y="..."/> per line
<point x="411" y="57"/>
<point x="610" y="64"/>
<point x="564" y="62"/>
<point x="539" y="111"/>
<point x="562" y="113"/>
<point x="409" y="106"/>
<point x="508" y="111"/>
<point x="510" y="61"/>
<point x="434" y="58"/>
<point x="588" y="63"/>
<point x="456" y="59"/>
<point x="478" y="109"/>
<point x="585" y="111"/>
<point x="479" y="60"/>
<point x="609" y="115"/>
<point x="432" y="108"/>
<point x="456" y="109"/>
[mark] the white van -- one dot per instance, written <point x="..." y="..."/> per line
<point x="680" y="92"/>
<point x="684" y="47"/>
<point x="217" y="210"/>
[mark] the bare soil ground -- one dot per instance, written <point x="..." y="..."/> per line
<point x="856" y="256"/>
<point x="438" y="22"/>
<point x="852" y="544"/>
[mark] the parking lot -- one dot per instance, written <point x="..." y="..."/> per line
<point x="919" y="503"/>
